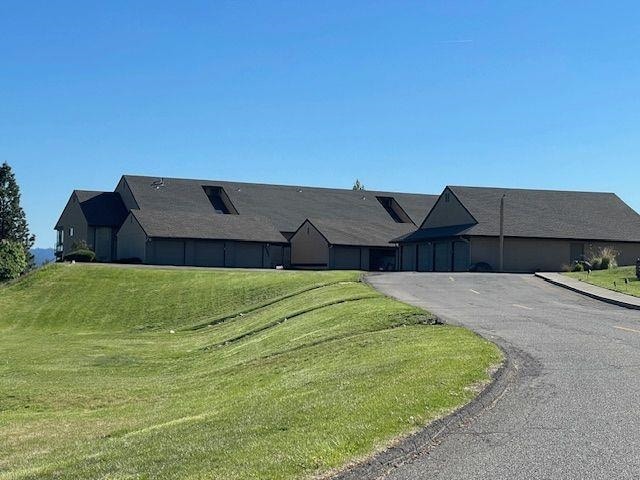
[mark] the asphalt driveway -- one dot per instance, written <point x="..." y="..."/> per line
<point x="574" y="409"/>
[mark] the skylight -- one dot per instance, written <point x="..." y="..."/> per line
<point x="394" y="209"/>
<point x="219" y="200"/>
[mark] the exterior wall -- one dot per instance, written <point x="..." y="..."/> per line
<point x="72" y="216"/>
<point x="278" y="255"/>
<point x="132" y="241"/>
<point x="486" y="249"/>
<point x="103" y="243"/>
<point x="531" y="254"/>
<point x="214" y="253"/>
<point x="436" y="256"/>
<point x="628" y="253"/>
<point x="445" y="213"/>
<point x="126" y="195"/>
<point x="309" y="247"/>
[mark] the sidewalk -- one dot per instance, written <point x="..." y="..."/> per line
<point x="599" y="293"/>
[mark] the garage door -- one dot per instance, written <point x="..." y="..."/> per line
<point x="425" y="257"/>
<point x="442" y="256"/>
<point x="168" y="252"/>
<point x="460" y="256"/>
<point x="208" y="254"/>
<point x="248" y="255"/>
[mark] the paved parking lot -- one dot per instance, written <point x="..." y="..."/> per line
<point x="574" y="410"/>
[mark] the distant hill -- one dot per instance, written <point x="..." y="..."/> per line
<point x="43" y="255"/>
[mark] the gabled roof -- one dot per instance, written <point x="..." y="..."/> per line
<point x="549" y="214"/>
<point x="427" y="234"/>
<point x="172" y="224"/>
<point x="355" y="233"/>
<point x="277" y="208"/>
<point x="101" y="208"/>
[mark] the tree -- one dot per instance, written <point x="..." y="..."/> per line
<point x="13" y="223"/>
<point x="13" y="260"/>
<point x="357" y="185"/>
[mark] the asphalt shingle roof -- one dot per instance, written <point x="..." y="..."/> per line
<point x="369" y="234"/>
<point x="102" y="208"/>
<point x="181" y="206"/>
<point x="171" y="224"/>
<point x="550" y="214"/>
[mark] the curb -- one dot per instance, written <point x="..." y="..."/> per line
<point x="419" y="442"/>
<point x="595" y="296"/>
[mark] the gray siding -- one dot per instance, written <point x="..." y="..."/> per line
<point x="530" y="254"/>
<point x="131" y="240"/>
<point x="103" y="243"/>
<point x="126" y="195"/>
<point x="447" y="211"/>
<point x="72" y="217"/>
<point x="309" y="247"/>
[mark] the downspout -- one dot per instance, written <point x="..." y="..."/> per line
<point x="501" y="260"/>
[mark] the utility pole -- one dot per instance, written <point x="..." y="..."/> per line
<point x="501" y="266"/>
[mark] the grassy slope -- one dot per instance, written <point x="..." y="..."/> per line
<point x="606" y="279"/>
<point x="95" y="386"/>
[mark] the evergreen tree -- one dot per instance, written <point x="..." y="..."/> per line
<point x="357" y="185"/>
<point x="13" y="223"/>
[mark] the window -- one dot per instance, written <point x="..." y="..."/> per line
<point x="71" y="231"/>
<point x="220" y="201"/>
<point x="447" y="197"/>
<point x="394" y="209"/>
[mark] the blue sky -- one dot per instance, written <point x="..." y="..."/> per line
<point x="406" y="96"/>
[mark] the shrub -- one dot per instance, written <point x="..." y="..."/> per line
<point x="577" y="267"/>
<point x="13" y="260"/>
<point x="81" y="255"/>
<point x="605" y="258"/>
<point x="609" y="258"/>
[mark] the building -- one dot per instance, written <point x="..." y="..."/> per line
<point x="541" y="230"/>
<point x="230" y="224"/>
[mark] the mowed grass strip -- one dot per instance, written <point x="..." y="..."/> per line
<point x="299" y="385"/>
<point x="613" y="279"/>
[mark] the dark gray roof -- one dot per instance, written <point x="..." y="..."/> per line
<point x="170" y="224"/>
<point x="181" y="206"/>
<point x="369" y="234"/>
<point x="426" y="234"/>
<point x="102" y="208"/>
<point x="550" y="214"/>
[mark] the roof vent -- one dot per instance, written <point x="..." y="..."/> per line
<point x="299" y="190"/>
<point x="157" y="184"/>
<point x="363" y="197"/>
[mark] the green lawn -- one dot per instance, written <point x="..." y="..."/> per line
<point x="613" y="279"/>
<point x="267" y="374"/>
